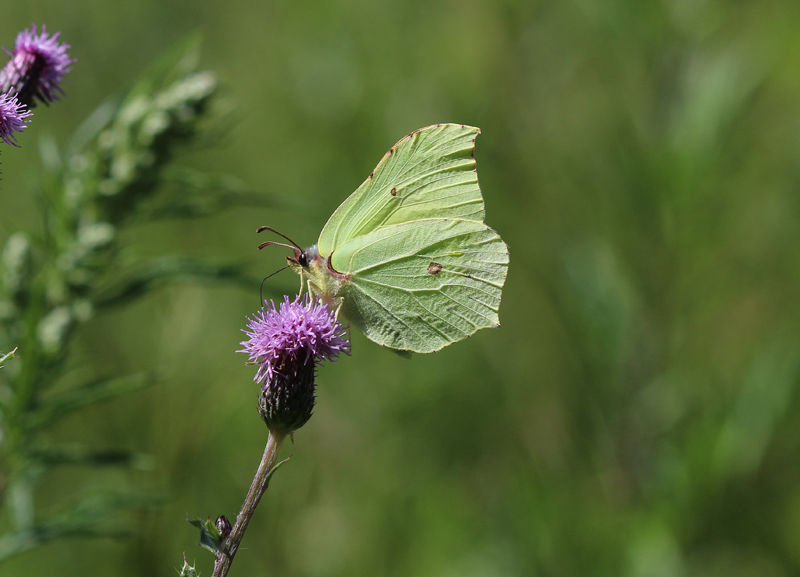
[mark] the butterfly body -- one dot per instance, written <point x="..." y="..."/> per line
<point x="407" y="258"/>
<point x="323" y="281"/>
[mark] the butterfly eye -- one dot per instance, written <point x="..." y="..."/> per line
<point x="302" y="260"/>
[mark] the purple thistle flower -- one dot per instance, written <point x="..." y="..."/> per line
<point x="287" y="342"/>
<point x="36" y="68"/>
<point x="12" y="118"/>
<point x="298" y="332"/>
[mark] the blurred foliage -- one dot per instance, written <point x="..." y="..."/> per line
<point x="634" y="416"/>
<point x="52" y="285"/>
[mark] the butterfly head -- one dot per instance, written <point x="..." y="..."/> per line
<point x="323" y="280"/>
<point x="304" y="258"/>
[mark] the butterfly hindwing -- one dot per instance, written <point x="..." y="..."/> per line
<point x="430" y="173"/>
<point x="421" y="285"/>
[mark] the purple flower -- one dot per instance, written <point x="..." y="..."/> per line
<point x="298" y="332"/>
<point x="12" y="118"/>
<point x="36" y="68"/>
<point x="287" y="343"/>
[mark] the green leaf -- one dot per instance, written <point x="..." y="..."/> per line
<point x="7" y="357"/>
<point x="275" y="468"/>
<point x="194" y="193"/>
<point x="91" y="517"/>
<point x="209" y="534"/>
<point x="61" y="404"/>
<point x="93" y="126"/>
<point x="162" y="271"/>
<point x="210" y="537"/>
<point x="82" y="456"/>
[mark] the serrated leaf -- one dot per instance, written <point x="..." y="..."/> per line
<point x="187" y="570"/>
<point x="209" y="534"/>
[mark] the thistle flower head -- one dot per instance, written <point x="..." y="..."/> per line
<point x="12" y="118"/>
<point x="297" y="332"/>
<point x="287" y="342"/>
<point x="37" y="65"/>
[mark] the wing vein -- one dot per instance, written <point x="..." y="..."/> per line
<point x="411" y="291"/>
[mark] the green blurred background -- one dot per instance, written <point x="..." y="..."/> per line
<point x="636" y="414"/>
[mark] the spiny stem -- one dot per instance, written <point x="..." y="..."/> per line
<point x="228" y="548"/>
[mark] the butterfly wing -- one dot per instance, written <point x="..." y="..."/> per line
<point x="421" y="285"/>
<point x="429" y="173"/>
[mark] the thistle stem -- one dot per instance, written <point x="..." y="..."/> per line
<point x="230" y="546"/>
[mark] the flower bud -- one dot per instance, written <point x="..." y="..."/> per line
<point x="223" y="526"/>
<point x="36" y="68"/>
<point x="287" y="342"/>
<point x="287" y="401"/>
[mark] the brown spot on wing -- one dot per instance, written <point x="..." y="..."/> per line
<point x="434" y="268"/>
<point x="393" y="192"/>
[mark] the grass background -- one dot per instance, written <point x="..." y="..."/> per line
<point x="636" y="414"/>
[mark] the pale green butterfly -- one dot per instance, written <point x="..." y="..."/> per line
<point x="406" y="258"/>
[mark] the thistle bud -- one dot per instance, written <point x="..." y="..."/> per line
<point x="287" y="343"/>
<point x="286" y="403"/>
<point x="223" y="526"/>
<point x="37" y="65"/>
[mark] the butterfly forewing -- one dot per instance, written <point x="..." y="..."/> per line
<point x="421" y="285"/>
<point x="428" y="174"/>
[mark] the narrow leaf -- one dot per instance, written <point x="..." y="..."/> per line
<point x="59" y="405"/>
<point x="275" y="468"/>
<point x="83" y="456"/>
<point x="195" y="193"/>
<point x="7" y="357"/>
<point x="159" y="272"/>
<point x="91" y="517"/>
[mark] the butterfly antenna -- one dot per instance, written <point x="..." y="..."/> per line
<point x="269" y="228"/>
<point x="273" y="243"/>
<point x="261" y="288"/>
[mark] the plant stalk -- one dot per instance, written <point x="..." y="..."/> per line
<point x="230" y="546"/>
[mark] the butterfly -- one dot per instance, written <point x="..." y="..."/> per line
<point x="407" y="258"/>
